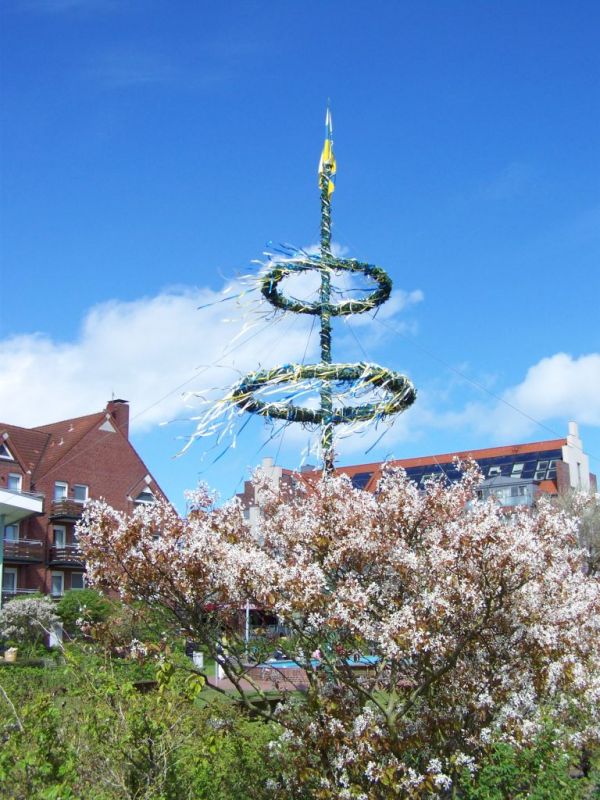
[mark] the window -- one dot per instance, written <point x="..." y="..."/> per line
<point x="77" y="580"/>
<point x="60" y="535"/>
<point x="61" y="490"/>
<point x="5" y="452"/>
<point x="145" y="496"/>
<point x="518" y="491"/>
<point x="545" y="470"/>
<point x="80" y="492"/>
<point x="494" y="471"/>
<point x="11" y="532"/>
<point x="517" y="470"/>
<point x="57" y="584"/>
<point x="14" y="482"/>
<point x="9" y="580"/>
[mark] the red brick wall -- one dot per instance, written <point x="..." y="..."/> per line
<point x="7" y="467"/>
<point x="104" y="461"/>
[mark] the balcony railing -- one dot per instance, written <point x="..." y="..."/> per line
<point x="66" y="554"/>
<point x="32" y="495"/>
<point x="66" y="509"/>
<point x="23" y="550"/>
<point x="10" y="594"/>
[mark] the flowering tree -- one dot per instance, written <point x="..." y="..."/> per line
<point x="28" y="620"/>
<point x="479" y="625"/>
<point x="585" y="506"/>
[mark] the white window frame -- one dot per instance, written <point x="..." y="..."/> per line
<point x="517" y="469"/>
<point x="16" y="527"/>
<point x="10" y="571"/>
<point x="87" y="492"/>
<point x="19" y="482"/>
<point x="82" y="580"/>
<point x="64" y="485"/>
<point x="60" y="575"/>
<point x="59" y="529"/>
<point x="145" y="502"/>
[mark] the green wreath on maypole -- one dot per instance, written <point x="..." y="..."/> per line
<point x="399" y="393"/>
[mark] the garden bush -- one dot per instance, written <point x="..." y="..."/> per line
<point x="80" y="607"/>
<point x="26" y="622"/>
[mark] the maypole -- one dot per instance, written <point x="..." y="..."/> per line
<point x="356" y="379"/>
<point x="327" y="170"/>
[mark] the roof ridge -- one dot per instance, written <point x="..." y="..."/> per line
<point x="47" y="425"/>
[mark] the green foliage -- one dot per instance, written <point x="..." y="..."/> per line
<point x="91" y="729"/>
<point x="83" y="605"/>
<point x="136" y="629"/>
<point x="115" y="729"/>
<point x="538" y="772"/>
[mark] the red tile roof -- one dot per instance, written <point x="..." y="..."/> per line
<point x="447" y="458"/>
<point x="26" y="444"/>
<point x="63" y="436"/>
<point x="41" y="448"/>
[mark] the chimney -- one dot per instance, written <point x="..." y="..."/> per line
<point x="119" y="411"/>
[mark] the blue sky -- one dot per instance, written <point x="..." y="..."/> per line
<point x="151" y="149"/>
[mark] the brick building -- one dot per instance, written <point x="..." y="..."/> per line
<point x="515" y="474"/>
<point x="47" y="473"/>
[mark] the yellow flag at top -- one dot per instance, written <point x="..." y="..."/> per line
<point x="327" y="165"/>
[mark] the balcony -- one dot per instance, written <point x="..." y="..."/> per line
<point x="66" y="555"/>
<point x="65" y="509"/>
<point x="10" y="594"/>
<point x="15" y="506"/>
<point x="23" y="550"/>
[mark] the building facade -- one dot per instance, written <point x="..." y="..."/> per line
<point x="47" y="474"/>
<point x="514" y="474"/>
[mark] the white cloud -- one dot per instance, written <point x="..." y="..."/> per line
<point x="559" y="386"/>
<point x="142" y="351"/>
<point x="556" y="389"/>
<point x="151" y="352"/>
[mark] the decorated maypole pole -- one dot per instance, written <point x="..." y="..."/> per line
<point x="330" y="380"/>
<point x="327" y="170"/>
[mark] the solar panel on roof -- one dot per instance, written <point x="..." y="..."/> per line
<point x="360" y="480"/>
<point x="522" y="465"/>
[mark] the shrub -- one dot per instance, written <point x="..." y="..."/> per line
<point x="27" y="621"/>
<point x="83" y="605"/>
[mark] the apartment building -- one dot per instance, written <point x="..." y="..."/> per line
<point x="515" y="474"/>
<point x="47" y="474"/>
